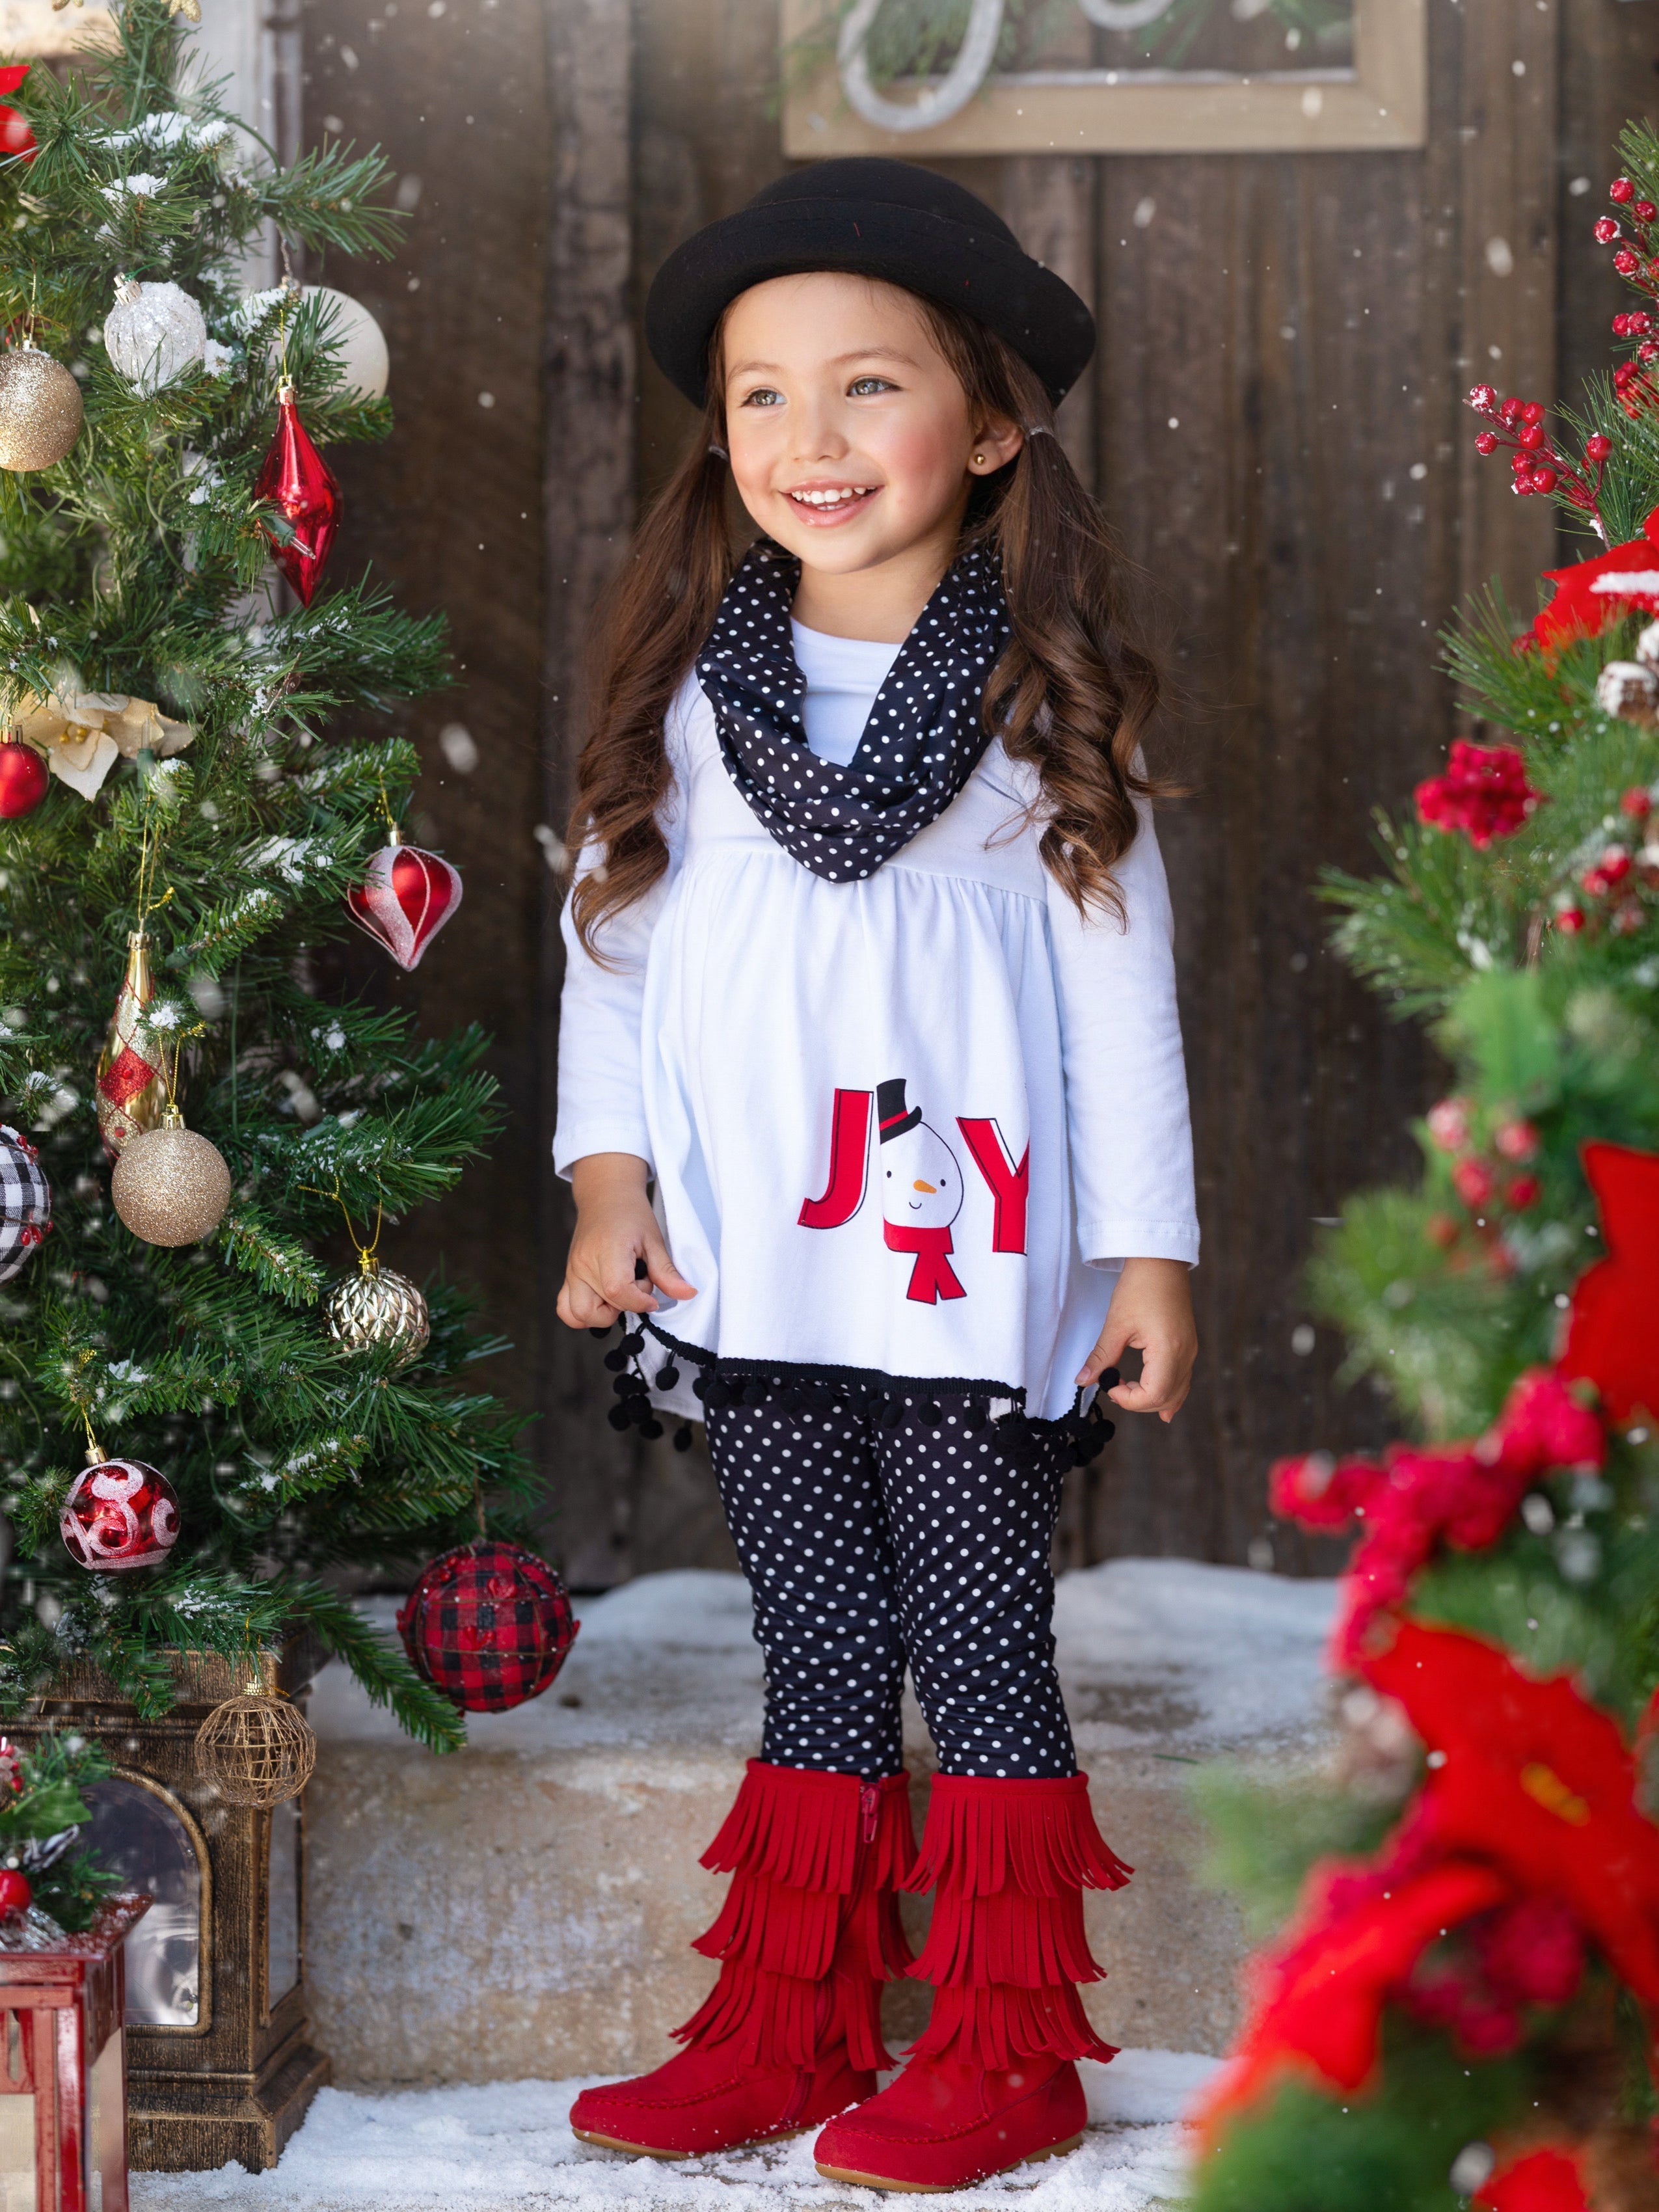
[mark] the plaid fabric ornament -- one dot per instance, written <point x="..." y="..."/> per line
<point x="25" y="1201"/>
<point x="489" y="1625"/>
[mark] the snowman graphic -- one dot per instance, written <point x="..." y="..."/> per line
<point x="921" y="1193"/>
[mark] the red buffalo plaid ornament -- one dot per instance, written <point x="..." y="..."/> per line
<point x="489" y="1625"/>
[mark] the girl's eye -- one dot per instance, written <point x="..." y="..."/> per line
<point x="862" y="387"/>
<point x="763" y="396"/>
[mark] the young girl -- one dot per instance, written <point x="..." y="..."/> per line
<point x="871" y="1091"/>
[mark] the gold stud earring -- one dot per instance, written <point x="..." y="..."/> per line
<point x="979" y="461"/>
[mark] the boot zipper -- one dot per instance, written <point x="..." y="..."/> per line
<point x="869" y="1806"/>
<point x="797" y="2105"/>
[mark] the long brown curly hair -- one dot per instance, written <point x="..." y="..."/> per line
<point x="1072" y="693"/>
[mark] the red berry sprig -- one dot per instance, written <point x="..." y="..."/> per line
<point x="1538" y="465"/>
<point x="1637" y="259"/>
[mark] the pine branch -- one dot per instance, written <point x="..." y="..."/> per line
<point x="383" y="1671"/>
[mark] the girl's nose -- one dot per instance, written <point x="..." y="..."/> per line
<point x="931" y="1189"/>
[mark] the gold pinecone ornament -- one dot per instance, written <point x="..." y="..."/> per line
<point x="40" y="410"/>
<point x="379" y="1306"/>
<point x="256" y="1749"/>
<point x="170" y="1185"/>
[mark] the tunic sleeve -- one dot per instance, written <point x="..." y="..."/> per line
<point x="601" y="1099"/>
<point x="1129" y="1122"/>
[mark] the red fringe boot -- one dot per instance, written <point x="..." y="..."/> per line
<point x="993" y="2081"/>
<point x="791" y="2032"/>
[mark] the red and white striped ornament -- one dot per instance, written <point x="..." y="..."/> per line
<point x="120" y="1514"/>
<point x="406" y="899"/>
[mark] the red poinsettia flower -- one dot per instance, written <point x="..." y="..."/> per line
<point x="1462" y="1494"/>
<point x="1613" y="1336"/>
<point x="1484" y="792"/>
<point x="1547" y="2180"/>
<point x="1592" y="593"/>
<point x="1317" y="2002"/>
<point x="1534" y="1780"/>
<point x="15" y="137"/>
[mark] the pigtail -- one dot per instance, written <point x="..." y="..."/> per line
<point x="653" y="618"/>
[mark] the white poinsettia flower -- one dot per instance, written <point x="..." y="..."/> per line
<point x="82" y="758"/>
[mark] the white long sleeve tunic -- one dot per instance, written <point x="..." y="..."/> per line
<point x="748" y="1039"/>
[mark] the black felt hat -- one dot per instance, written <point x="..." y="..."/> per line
<point x="878" y="218"/>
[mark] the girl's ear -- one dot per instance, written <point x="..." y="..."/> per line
<point x="995" y="444"/>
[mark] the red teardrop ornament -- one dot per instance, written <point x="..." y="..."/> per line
<point x="299" y="484"/>
<point x="405" y="900"/>
<point x="23" y="780"/>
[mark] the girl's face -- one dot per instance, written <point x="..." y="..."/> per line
<point x="850" y="436"/>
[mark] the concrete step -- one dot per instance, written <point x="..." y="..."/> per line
<point x="523" y="1907"/>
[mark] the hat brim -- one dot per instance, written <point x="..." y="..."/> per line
<point x="1032" y="310"/>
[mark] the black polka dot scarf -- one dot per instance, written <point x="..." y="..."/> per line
<point x="920" y="746"/>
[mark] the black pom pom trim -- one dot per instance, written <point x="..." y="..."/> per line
<point x="667" y="1376"/>
<point x="683" y="1436"/>
<point x="619" y="1418"/>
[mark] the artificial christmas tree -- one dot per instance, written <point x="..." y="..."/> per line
<point x="1465" y="2005"/>
<point x="186" y="871"/>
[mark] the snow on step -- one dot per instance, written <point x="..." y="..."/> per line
<point x="523" y="1907"/>
<point x="507" y="2147"/>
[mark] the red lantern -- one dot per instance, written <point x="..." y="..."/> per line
<point x="119" y="1513"/>
<point x="301" y="485"/>
<point x="405" y="899"/>
<point x="489" y="1625"/>
<point x="23" y="774"/>
<point x="63" y="2140"/>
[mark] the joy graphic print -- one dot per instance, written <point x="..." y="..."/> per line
<point x="921" y="1183"/>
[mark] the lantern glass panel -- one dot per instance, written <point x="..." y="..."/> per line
<point x="283" y="1918"/>
<point x="107" y="2120"/>
<point x="139" y="1837"/>
<point x="17" y="2147"/>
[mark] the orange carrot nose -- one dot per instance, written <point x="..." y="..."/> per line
<point x="931" y="1189"/>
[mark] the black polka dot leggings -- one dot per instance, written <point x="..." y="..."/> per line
<point x="868" y="1547"/>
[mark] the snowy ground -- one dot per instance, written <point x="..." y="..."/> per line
<point x="507" y="2147"/>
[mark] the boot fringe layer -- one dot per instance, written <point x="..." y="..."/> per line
<point x="783" y="2019"/>
<point x="1032" y="1941"/>
<point x="998" y="2027"/>
<point x="1037" y="1837"/>
<point x="807" y="1829"/>
<point x="810" y="1928"/>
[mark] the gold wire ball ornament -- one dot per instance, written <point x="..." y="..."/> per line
<point x="170" y="1185"/>
<point x="40" y="410"/>
<point x="256" y="1749"/>
<point x="379" y="1306"/>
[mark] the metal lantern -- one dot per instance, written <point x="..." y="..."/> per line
<point x="219" y="2058"/>
<point x="63" y="2068"/>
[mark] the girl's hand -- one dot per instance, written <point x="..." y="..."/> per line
<point x="1151" y="1310"/>
<point x="614" y="1230"/>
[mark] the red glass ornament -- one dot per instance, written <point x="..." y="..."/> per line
<point x="16" y="1895"/>
<point x="16" y="139"/>
<point x="23" y="779"/>
<point x="120" y="1514"/>
<point x="405" y="900"/>
<point x="489" y="1625"/>
<point x="301" y="485"/>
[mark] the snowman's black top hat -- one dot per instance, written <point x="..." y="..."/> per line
<point x="891" y="1118"/>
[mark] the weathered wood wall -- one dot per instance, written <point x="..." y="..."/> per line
<point x="1274" y="424"/>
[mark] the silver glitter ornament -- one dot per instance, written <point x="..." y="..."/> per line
<point x="153" y="333"/>
<point x="40" y="410"/>
<point x="377" y="1305"/>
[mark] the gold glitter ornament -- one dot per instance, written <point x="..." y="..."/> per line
<point x="171" y="1185"/>
<point x="377" y="1305"/>
<point x="130" y="1086"/>
<point x="40" y="410"/>
<point x="256" y="1749"/>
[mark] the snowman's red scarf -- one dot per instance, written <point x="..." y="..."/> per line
<point x="932" y="1277"/>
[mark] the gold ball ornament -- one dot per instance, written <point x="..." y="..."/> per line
<point x="40" y="410"/>
<point x="377" y="1305"/>
<point x="170" y="1185"/>
<point x="256" y="1750"/>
